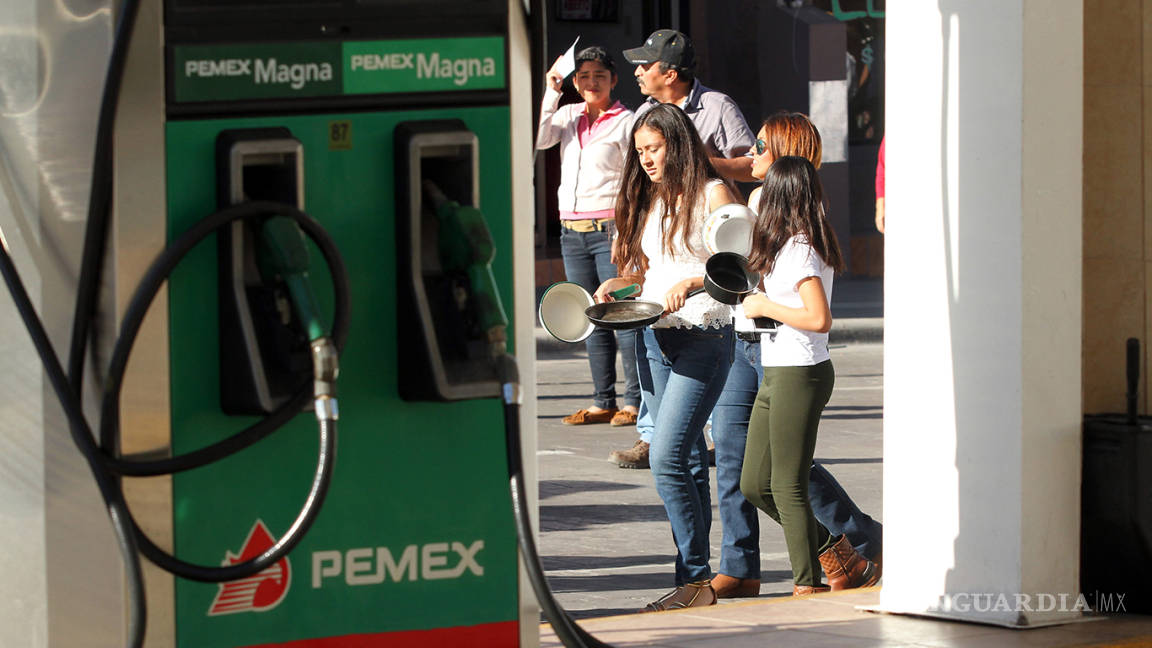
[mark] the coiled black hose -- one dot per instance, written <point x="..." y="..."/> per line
<point x="107" y="468"/>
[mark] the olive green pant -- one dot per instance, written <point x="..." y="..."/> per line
<point x="778" y="459"/>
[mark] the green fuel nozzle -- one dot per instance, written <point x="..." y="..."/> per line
<point x="282" y="252"/>
<point x="466" y="245"/>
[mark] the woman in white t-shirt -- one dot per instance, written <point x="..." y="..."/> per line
<point x="668" y="188"/>
<point x="795" y="247"/>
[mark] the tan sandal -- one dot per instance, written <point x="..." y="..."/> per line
<point x="698" y="594"/>
<point x="586" y="417"/>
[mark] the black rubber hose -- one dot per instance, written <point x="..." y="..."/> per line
<point x="567" y="630"/>
<point x="86" y="443"/>
<point x="146" y="292"/>
<point x="99" y="198"/>
<point x="315" y="500"/>
<point x="142" y="298"/>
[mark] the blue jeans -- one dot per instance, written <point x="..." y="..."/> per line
<point x="688" y="371"/>
<point x="588" y="262"/>
<point x="740" y="543"/>
<point x="644" y="417"/>
<point x="831" y="505"/>
<point x="840" y="515"/>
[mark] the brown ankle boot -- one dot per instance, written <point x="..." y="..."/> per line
<point x="727" y="586"/>
<point x="846" y="568"/>
<point x="805" y="590"/>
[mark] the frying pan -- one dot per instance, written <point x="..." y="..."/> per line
<point x="729" y="229"/>
<point x="628" y="314"/>
<point x="728" y="280"/>
<point x="562" y="308"/>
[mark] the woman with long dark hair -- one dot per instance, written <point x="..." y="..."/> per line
<point x="796" y="250"/>
<point x="783" y="133"/>
<point x="668" y="188"/>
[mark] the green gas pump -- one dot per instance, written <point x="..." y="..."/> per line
<point x="391" y="124"/>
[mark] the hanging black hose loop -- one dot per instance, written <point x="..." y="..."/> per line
<point x="146" y="292"/>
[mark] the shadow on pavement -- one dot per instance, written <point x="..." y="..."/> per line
<point x="602" y="562"/>
<point x="557" y="487"/>
<point x="561" y="517"/>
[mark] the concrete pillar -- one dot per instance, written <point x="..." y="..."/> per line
<point x="982" y="401"/>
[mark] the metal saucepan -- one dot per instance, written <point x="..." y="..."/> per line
<point x="628" y="314"/>
<point x="729" y="229"/>
<point x="728" y="280"/>
<point x="562" y="309"/>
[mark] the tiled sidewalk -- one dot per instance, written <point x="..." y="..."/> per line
<point x="834" y="621"/>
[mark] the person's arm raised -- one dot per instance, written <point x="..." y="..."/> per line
<point x="737" y="168"/>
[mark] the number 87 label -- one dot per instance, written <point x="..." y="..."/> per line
<point x="339" y="135"/>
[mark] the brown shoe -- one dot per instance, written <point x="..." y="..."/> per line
<point x="686" y="596"/>
<point x="634" y="457"/>
<point x="727" y="586"/>
<point x="624" y="417"/>
<point x="586" y="417"/>
<point x="846" y="568"/>
<point x="805" y="590"/>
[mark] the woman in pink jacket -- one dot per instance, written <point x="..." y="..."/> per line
<point x="594" y="139"/>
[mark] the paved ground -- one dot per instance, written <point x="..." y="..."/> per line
<point x="605" y="540"/>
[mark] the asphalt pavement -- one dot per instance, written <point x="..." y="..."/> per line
<point x="605" y="541"/>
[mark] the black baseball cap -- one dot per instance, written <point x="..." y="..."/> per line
<point x="664" y="46"/>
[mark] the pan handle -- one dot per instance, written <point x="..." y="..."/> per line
<point x="625" y="291"/>
<point x="694" y="292"/>
<point x="765" y="322"/>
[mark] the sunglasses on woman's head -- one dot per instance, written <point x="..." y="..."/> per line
<point x="761" y="146"/>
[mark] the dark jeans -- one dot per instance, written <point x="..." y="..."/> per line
<point x="588" y="262"/>
<point x="740" y="539"/>
<point x="740" y="549"/>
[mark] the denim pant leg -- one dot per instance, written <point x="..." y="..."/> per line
<point x="840" y="515"/>
<point x="644" y="375"/>
<point x="601" y="249"/>
<point x="740" y="545"/>
<point x="689" y="368"/>
<point x="626" y="342"/>
<point x="579" y="251"/>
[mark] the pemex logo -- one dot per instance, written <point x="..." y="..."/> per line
<point x="257" y="593"/>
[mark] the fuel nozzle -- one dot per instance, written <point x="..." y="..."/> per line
<point x="282" y="253"/>
<point x="466" y="246"/>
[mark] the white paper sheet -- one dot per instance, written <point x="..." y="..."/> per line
<point x="567" y="63"/>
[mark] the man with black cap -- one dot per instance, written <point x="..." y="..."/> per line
<point x="665" y="66"/>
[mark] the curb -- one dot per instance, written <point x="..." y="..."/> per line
<point x="849" y="330"/>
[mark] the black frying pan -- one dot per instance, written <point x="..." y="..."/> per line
<point x="728" y="280"/>
<point x="628" y="313"/>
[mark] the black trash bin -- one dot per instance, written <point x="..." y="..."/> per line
<point x="1116" y="506"/>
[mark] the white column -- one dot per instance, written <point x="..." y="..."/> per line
<point x="982" y="403"/>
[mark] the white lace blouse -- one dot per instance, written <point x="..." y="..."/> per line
<point x="665" y="270"/>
